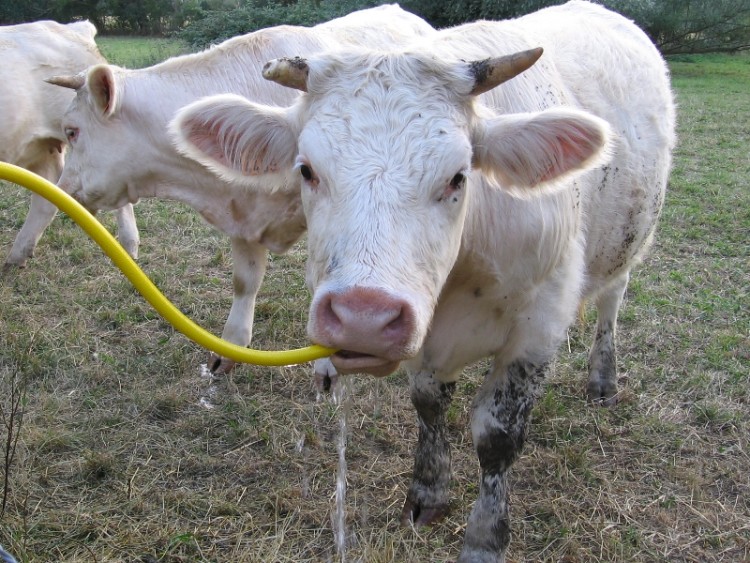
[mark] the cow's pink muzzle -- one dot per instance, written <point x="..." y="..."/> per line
<point x="372" y="329"/>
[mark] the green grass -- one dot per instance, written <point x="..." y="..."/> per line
<point x="118" y="461"/>
<point x="139" y="52"/>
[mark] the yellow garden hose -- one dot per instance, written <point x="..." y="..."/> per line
<point x="145" y="286"/>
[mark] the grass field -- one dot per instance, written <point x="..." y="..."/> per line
<point x="139" y="52"/>
<point x="117" y="460"/>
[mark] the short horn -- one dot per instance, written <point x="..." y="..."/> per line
<point x="490" y="73"/>
<point x="73" y="82"/>
<point x="288" y="72"/>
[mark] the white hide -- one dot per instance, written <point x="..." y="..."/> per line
<point x="31" y="134"/>
<point x="121" y="149"/>
<point x="497" y="267"/>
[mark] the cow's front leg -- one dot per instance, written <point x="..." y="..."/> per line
<point x="499" y="428"/>
<point x="602" y="384"/>
<point x="326" y="377"/>
<point x="427" y="499"/>
<point x="127" y="230"/>
<point x="40" y="215"/>
<point x="250" y="260"/>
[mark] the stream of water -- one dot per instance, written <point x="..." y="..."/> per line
<point x="342" y="398"/>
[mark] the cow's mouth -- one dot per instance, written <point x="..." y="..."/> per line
<point x="347" y="361"/>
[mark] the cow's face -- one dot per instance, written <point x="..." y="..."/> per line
<point x="384" y="146"/>
<point x="101" y="163"/>
<point x="384" y="166"/>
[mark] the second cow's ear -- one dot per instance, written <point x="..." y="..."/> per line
<point x="237" y="139"/>
<point x="103" y="89"/>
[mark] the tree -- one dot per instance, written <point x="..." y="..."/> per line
<point x="675" y="26"/>
<point x="699" y="26"/>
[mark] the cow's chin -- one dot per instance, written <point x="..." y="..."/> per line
<point x="348" y="363"/>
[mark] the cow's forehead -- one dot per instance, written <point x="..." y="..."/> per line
<point x="411" y="146"/>
<point x="387" y="115"/>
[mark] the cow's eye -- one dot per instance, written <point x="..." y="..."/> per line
<point x="71" y="133"/>
<point x="456" y="184"/>
<point x="311" y="180"/>
<point x="306" y="172"/>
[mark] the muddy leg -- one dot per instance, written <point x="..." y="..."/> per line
<point x="427" y="499"/>
<point x="499" y="429"/>
<point x="602" y="385"/>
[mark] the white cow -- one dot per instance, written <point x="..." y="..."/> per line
<point x="121" y="150"/>
<point x="31" y="135"/>
<point x="450" y="219"/>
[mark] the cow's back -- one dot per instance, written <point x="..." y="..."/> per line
<point x="234" y="66"/>
<point x="32" y="109"/>
<point x="615" y="72"/>
<point x="377" y="27"/>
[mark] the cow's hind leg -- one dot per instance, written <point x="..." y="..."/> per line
<point x="602" y="385"/>
<point x="427" y="499"/>
<point x="499" y="429"/>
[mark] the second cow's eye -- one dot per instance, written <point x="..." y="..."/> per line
<point x="71" y="134"/>
<point x="309" y="175"/>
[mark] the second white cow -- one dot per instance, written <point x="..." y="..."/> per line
<point x="462" y="195"/>
<point x="120" y="149"/>
<point x="31" y="111"/>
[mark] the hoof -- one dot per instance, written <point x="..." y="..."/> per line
<point x="326" y="377"/>
<point x="220" y="366"/>
<point x="415" y="515"/>
<point x="603" y="394"/>
<point x="14" y="263"/>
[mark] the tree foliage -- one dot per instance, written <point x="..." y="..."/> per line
<point x="675" y="26"/>
<point x="212" y="25"/>
<point x="696" y="26"/>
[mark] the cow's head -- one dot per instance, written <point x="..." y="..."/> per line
<point x="388" y="148"/>
<point x="101" y="162"/>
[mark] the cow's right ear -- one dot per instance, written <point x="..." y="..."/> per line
<point x="103" y="88"/>
<point x="235" y="138"/>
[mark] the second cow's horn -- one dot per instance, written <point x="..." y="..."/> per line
<point x="290" y="72"/>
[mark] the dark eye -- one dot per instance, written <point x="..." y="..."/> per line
<point x="458" y="181"/>
<point x="71" y="133"/>
<point x="306" y="172"/>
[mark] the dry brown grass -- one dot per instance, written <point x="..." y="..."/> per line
<point x="118" y="461"/>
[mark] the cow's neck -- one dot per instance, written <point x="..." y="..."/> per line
<point x="553" y="225"/>
<point x="270" y="216"/>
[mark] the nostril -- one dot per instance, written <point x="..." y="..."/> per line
<point x="398" y="322"/>
<point x="327" y="315"/>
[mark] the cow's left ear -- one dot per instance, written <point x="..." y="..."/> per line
<point x="528" y="150"/>
<point x="234" y="137"/>
<point x="103" y="88"/>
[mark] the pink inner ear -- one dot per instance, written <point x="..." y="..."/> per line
<point x="248" y="163"/>
<point x="103" y="90"/>
<point x="205" y="142"/>
<point x="572" y="148"/>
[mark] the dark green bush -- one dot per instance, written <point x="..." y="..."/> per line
<point x="214" y="26"/>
